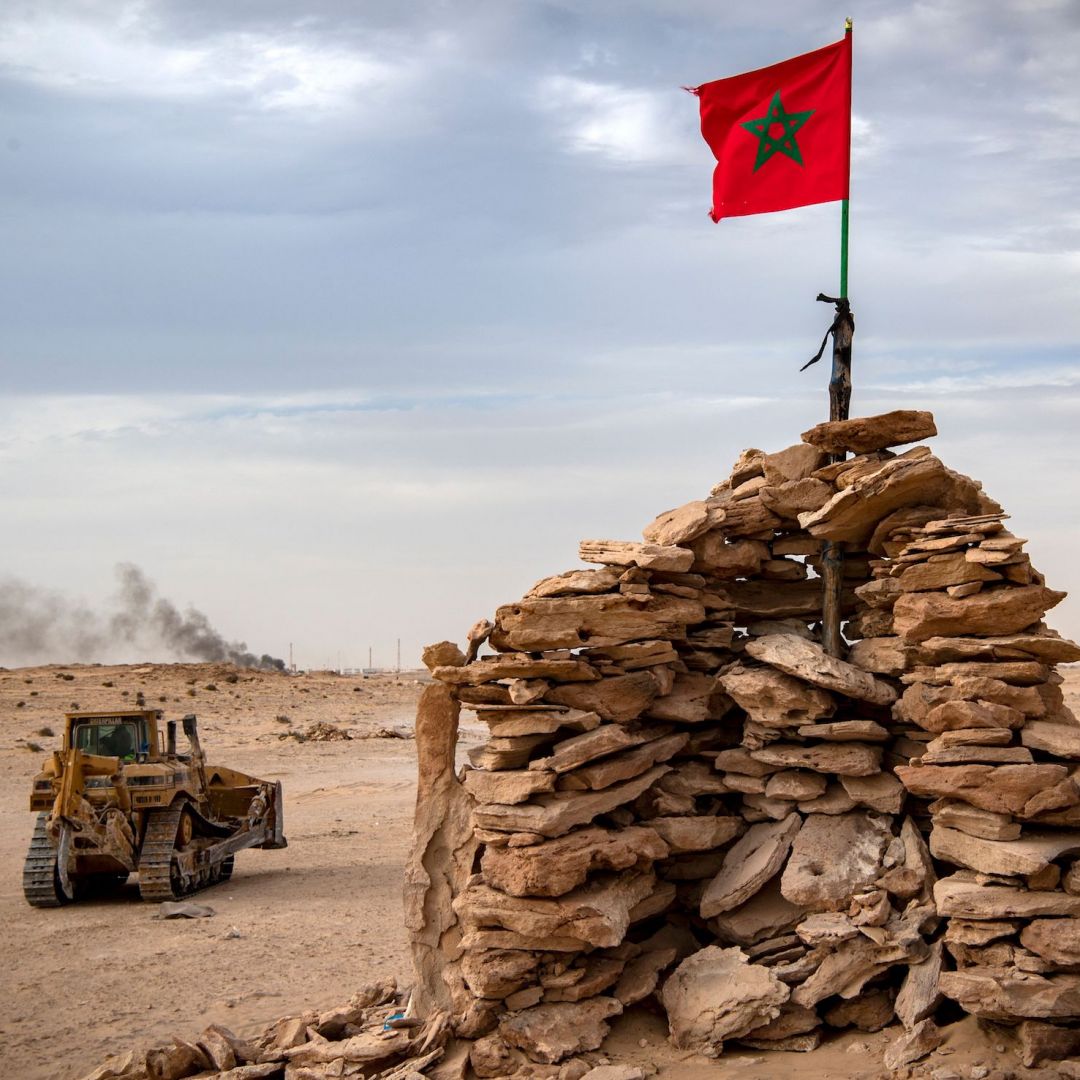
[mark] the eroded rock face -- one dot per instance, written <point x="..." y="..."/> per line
<point x="832" y="858"/>
<point x="550" y="1033"/>
<point x="717" y="995"/>
<point x="557" y="866"/>
<point x="774" y="699"/>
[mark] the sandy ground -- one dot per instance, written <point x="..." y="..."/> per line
<point x="294" y="929"/>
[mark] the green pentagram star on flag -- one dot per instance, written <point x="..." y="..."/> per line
<point x="784" y="143"/>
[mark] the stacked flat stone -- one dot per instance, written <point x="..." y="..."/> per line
<point x="678" y="774"/>
<point x="999" y="751"/>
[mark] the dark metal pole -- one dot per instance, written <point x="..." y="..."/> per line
<point x="832" y="558"/>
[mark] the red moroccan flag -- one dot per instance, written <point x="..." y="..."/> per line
<point x="781" y="134"/>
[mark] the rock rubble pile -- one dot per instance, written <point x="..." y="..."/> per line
<point x="683" y="796"/>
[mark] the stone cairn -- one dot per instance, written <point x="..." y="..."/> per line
<point x="685" y="798"/>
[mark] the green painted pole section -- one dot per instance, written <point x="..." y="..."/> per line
<point x="844" y="213"/>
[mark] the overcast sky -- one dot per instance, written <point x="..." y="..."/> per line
<point x="345" y="321"/>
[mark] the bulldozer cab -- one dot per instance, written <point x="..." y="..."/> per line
<point x="129" y="736"/>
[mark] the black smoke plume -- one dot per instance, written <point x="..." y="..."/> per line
<point x="39" y="625"/>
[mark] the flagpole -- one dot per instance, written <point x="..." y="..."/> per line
<point x="832" y="557"/>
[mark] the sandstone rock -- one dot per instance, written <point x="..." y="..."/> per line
<point x="1044" y="645"/>
<point x="973" y="821"/>
<point x="688" y="700"/>
<point x="970" y="737"/>
<point x="642" y="974"/>
<point x="766" y="914"/>
<point x="796" y="785"/>
<point x="865" y="434"/>
<point x="1020" y="790"/>
<point x="595" y="914"/>
<point x="919" y="994"/>
<point x="912" y="1045"/>
<point x="491" y="1057"/>
<point x="501" y="753"/>
<point x="881" y="792"/>
<point x="997" y="994"/>
<point x="849" y="966"/>
<point x="754" y="859"/>
<point x="680" y="525"/>
<point x="614" y="1072"/>
<point x="808" y="661"/>
<point x="832" y="858"/>
<point x="963" y="755"/>
<point x="498" y="973"/>
<point x="627" y="553"/>
<point x="619" y="698"/>
<point x="868" y="1012"/>
<point x="835" y="801"/>
<point x="611" y="619"/>
<point x="843" y="759"/>
<point x="913" y="478"/>
<point x="575" y="583"/>
<point x="696" y="833"/>
<point x="795" y="463"/>
<point x="555" y="814"/>
<point x="919" y="616"/>
<point x="794" y="497"/>
<point x="954" y="715"/>
<point x="881" y="655"/>
<point x="979" y="932"/>
<point x="533" y="720"/>
<point x="578" y="749"/>
<point x="793" y="1020"/>
<point x="1016" y="672"/>
<point x="774" y="699"/>
<point x="550" y="1033"/>
<point x="942" y="571"/>
<point x="959" y="897"/>
<point x="716" y="995"/>
<point x="556" y="867"/>
<point x="1041" y="1044"/>
<point x="693" y="778"/>
<point x="715" y="556"/>
<point x="506" y="787"/>
<point x="442" y="654"/>
<point x="511" y="666"/>
<point x="1061" y="740"/>
<point x="1056" y="940"/>
<point x="619" y="767"/>
<point x="846" y="731"/>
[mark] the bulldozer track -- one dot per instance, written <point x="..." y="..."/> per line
<point x="40" y="886"/>
<point x="156" y="881"/>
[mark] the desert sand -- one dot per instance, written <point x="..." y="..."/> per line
<point x="294" y="929"/>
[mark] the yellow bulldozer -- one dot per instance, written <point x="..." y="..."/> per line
<point x="119" y="798"/>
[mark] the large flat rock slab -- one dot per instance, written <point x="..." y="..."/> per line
<point x="989" y="613"/>
<point x="556" y="867"/>
<point x="716" y="995"/>
<point x="1029" y="854"/>
<point x="557" y="813"/>
<point x="1006" y="994"/>
<point x="865" y="434"/>
<point x="748" y="864"/>
<point x="807" y="660"/>
<point x="573" y="621"/>
<point x="1020" y="790"/>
